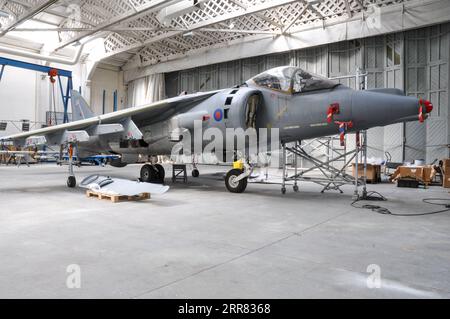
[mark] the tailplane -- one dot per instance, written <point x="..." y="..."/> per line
<point x="80" y="108"/>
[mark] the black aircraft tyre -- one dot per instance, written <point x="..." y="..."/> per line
<point x="161" y="173"/>
<point x="234" y="186"/>
<point x="71" y="182"/>
<point x="149" y="174"/>
<point x="195" y="173"/>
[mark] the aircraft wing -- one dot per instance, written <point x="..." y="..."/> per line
<point x="126" y="121"/>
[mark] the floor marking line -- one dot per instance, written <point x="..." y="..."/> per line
<point x="240" y="256"/>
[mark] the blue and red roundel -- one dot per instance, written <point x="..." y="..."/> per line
<point x="218" y="115"/>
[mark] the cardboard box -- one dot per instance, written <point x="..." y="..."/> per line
<point x="446" y="181"/>
<point x="446" y="166"/>
<point x="446" y="162"/>
<point x="373" y="172"/>
<point x="424" y="174"/>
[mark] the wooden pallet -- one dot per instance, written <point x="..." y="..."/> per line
<point x="118" y="198"/>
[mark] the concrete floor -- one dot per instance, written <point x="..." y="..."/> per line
<point x="199" y="241"/>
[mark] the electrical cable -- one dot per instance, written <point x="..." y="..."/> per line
<point x="375" y="196"/>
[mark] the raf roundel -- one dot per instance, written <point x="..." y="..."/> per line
<point x="218" y="115"/>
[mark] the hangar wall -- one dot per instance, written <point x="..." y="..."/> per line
<point x="27" y="95"/>
<point x="415" y="61"/>
<point x="108" y="80"/>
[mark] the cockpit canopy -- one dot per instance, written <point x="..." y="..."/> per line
<point x="291" y="80"/>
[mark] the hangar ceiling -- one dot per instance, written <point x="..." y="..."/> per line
<point x="151" y="31"/>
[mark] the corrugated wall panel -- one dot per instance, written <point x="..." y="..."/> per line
<point x="252" y="67"/>
<point x="415" y="64"/>
<point x="229" y="74"/>
<point x="344" y="58"/>
<point x="273" y="61"/>
<point x="374" y="65"/>
<point x="313" y="60"/>
<point x="188" y="81"/>
<point x="208" y="78"/>
<point x="436" y="139"/>
<point x="438" y="135"/>
<point x="393" y="134"/>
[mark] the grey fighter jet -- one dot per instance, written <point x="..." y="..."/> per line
<point x="300" y="104"/>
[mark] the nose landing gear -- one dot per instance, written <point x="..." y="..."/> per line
<point x="234" y="181"/>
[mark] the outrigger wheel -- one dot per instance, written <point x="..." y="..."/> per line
<point x="235" y="186"/>
<point x="195" y="173"/>
<point x="71" y="182"/>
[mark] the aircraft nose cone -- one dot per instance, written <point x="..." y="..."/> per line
<point x="378" y="109"/>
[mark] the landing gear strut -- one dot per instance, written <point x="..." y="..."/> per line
<point x="71" y="180"/>
<point x="195" y="171"/>
<point x="153" y="174"/>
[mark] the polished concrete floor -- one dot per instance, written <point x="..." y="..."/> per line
<point x="199" y="241"/>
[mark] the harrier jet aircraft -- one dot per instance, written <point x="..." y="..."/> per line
<point x="300" y="104"/>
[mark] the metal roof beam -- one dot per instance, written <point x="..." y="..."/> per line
<point x="298" y="16"/>
<point x="28" y="15"/>
<point x="144" y="29"/>
<point x="259" y="15"/>
<point x="204" y="24"/>
<point x="347" y="8"/>
<point x="151" y="6"/>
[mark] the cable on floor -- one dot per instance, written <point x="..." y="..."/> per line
<point x="375" y="196"/>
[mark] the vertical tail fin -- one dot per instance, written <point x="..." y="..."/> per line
<point x="80" y="108"/>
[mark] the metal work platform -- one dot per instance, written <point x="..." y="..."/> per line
<point x="331" y="169"/>
<point x="320" y="161"/>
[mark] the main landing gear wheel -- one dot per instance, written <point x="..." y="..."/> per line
<point x="195" y="173"/>
<point x="296" y="188"/>
<point x="71" y="182"/>
<point x="232" y="184"/>
<point x="152" y="174"/>
<point x="283" y="190"/>
<point x="161" y="173"/>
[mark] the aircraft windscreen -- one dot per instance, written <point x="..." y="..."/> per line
<point x="292" y="80"/>
<point x="276" y="79"/>
<point x="306" y="82"/>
